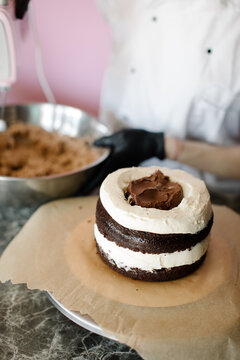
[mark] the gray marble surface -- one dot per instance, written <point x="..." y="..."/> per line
<point x="32" y="328"/>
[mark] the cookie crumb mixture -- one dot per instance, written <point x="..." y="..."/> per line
<point x="30" y="151"/>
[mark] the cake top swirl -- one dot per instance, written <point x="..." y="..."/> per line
<point x="154" y="191"/>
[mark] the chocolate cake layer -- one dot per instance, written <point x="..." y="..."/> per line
<point x="157" y="275"/>
<point x="146" y="242"/>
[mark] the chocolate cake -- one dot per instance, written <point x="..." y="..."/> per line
<point x="153" y="223"/>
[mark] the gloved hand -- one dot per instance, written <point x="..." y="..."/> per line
<point x="20" y="8"/>
<point x="129" y="147"/>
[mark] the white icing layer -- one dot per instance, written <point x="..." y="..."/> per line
<point x="127" y="259"/>
<point x="190" y="216"/>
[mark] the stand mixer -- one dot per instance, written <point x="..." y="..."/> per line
<point x="7" y="56"/>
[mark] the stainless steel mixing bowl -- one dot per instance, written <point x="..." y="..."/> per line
<point x="65" y="120"/>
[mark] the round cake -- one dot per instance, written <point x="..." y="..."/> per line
<point x="153" y="223"/>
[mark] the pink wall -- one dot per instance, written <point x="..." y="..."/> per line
<point x="75" y="43"/>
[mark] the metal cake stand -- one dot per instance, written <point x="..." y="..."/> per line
<point x="82" y="320"/>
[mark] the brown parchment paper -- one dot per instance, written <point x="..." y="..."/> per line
<point x="196" y="317"/>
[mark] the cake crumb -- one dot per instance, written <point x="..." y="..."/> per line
<point x="30" y="151"/>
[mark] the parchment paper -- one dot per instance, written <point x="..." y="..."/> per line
<point x="196" y="317"/>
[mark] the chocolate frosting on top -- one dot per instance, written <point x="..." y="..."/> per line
<point x="155" y="191"/>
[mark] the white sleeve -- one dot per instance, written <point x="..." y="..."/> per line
<point x="232" y="119"/>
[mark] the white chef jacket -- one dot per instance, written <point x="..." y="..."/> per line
<point x="175" y="67"/>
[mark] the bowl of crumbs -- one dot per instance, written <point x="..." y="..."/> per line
<point x="46" y="153"/>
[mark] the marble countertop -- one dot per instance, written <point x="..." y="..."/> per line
<point x="32" y="328"/>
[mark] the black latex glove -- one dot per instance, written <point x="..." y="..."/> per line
<point x="20" y="8"/>
<point x="129" y="147"/>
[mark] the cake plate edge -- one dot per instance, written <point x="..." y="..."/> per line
<point x="84" y="321"/>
